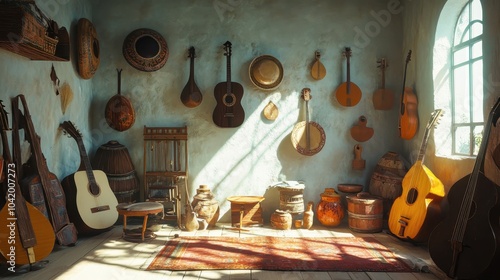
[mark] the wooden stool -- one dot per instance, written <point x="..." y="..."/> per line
<point x="251" y="208"/>
<point x="140" y="209"/>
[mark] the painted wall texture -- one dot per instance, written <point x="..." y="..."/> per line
<point x="248" y="159"/>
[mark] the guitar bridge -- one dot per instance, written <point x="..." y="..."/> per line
<point x="228" y="115"/>
<point x="100" y="208"/>
<point x="404" y="224"/>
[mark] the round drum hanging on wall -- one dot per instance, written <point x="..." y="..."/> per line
<point x="145" y="50"/>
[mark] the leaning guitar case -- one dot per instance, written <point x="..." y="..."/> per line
<point x="40" y="186"/>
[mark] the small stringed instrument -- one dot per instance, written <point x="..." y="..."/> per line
<point x="308" y="137"/>
<point x="408" y="115"/>
<point x="26" y="234"/>
<point x="348" y="93"/>
<point x="318" y="70"/>
<point x="191" y="95"/>
<point x="228" y="112"/>
<point x="119" y="112"/>
<point x="466" y="244"/>
<point x="416" y="212"/>
<point x="91" y="202"/>
<point x="383" y="98"/>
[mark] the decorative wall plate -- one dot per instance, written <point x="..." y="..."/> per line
<point x="145" y="50"/>
<point x="266" y="72"/>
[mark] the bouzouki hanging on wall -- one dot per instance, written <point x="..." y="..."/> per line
<point x="228" y="112"/>
<point x="466" y="244"/>
<point x="408" y="118"/>
<point x="383" y="98"/>
<point x="417" y="210"/>
<point x="318" y="70"/>
<point x="348" y="93"/>
<point x="191" y="95"/>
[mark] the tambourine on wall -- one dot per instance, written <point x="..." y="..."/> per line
<point x="145" y="50"/>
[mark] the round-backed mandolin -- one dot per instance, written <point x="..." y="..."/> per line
<point x="191" y="95"/>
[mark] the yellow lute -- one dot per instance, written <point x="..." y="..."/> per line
<point x="417" y="211"/>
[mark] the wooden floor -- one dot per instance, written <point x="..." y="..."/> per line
<point x="108" y="256"/>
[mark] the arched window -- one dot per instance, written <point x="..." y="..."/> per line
<point x="458" y="78"/>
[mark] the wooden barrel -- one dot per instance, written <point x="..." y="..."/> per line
<point x="365" y="213"/>
<point x="281" y="220"/>
<point x="292" y="200"/>
<point x="387" y="178"/>
<point x="114" y="160"/>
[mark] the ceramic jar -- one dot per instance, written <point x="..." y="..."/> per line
<point x="281" y="220"/>
<point x="330" y="211"/>
<point x="205" y="205"/>
<point x="308" y="216"/>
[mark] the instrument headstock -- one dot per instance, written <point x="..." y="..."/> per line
<point x="382" y="64"/>
<point x="317" y="54"/>
<point x="347" y="53"/>
<point x="227" y="48"/>
<point x="306" y="94"/>
<point x="435" y="117"/>
<point x="69" y="128"/>
<point x="191" y="52"/>
<point x="408" y="57"/>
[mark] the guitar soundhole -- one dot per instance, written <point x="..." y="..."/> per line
<point x="229" y="99"/>
<point x="94" y="190"/>
<point x="412" y="196"/>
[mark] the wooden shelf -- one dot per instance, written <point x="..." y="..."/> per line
<point x="30" y="52"/>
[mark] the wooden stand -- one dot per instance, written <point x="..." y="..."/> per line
<point x="141" y="209"/>
<point x="246" y="211"/>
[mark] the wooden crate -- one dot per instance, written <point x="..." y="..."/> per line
<point x="252" y="210"/>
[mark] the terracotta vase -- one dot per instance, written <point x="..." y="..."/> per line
<point x="308" y="216"/>
<point x="205" y="205"/>
<point x="330" y="211"/>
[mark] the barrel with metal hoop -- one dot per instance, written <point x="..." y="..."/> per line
<point x="114" y="159"/>
<point x="365" y="212"/>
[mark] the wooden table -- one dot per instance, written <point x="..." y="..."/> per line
<point x="140" y="209"/>
<point x="251" y="208"/>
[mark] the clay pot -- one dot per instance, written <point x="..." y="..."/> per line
<point x="330" y="211"/>
<point x="281" y="220"/>
<point x="308" y="216"/>
<point x="205" y="205"/>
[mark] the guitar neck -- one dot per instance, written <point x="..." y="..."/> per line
<point x="86" y="161"/>
<point x="228" y="74"/>
<point x="348" y="75"/>
<point x="191" y="69"/>
<point x="423" y="146"/>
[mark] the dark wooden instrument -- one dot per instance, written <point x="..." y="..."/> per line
<point x="25" y="233"/>
<point x="90" y="200"/>
<point x="191" y="95"/>
<point x="383" y="98"/>
<point x="42" y="185"/>
<point x="408" y="114"/>
<point x="416" y="212"/>
<point x="466" y="244"/>
<point x="348" y="93"/>
<point x="228" y="112"/>
<point x="119" y="112"/>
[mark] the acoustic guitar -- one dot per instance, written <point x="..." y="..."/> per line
<point x="191" y="95"/>
<point x="383" y="98"/>
<point x="228" y="112"/>
<point x="416" y="212"/>
<point x="348" y="93"/>
<point x="26" y="235"/>
<point x="466" y="244"/>
<point x="408" y="113"/>
<point x="91" y="202"/>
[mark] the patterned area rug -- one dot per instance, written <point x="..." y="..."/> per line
<point x="277" y="253"/>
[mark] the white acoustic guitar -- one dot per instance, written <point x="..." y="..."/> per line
<point x="91" y="203"/>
